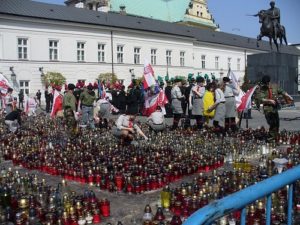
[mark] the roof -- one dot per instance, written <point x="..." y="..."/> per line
<point x="38" y="10"/>
<point x="167" y="10"/>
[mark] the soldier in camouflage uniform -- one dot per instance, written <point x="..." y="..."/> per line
<point x="268" y="95"/>
<point x="69" y="106"/>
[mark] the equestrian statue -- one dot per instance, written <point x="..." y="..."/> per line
<point x="270" y="26"/>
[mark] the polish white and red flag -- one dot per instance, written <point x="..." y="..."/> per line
<point x="151" y="103"/>
<point x="57" y="103"/>
<point x="246" y="100"/>
<point x="149" y="79"/>
<point x="4" y="84"/>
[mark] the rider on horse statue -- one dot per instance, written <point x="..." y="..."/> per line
<point x="274" y="13"/>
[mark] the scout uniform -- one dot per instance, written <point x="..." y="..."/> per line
<point x="197" y="93"/>
<point x="270" y="111"/>
<point x="176" y="96"/>
<point x="219" y="117"/>
<point x="230" y="92"/>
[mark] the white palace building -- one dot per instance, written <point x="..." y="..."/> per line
<point x="80" y="43"/>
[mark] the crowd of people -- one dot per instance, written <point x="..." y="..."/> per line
<point x="198" y="99"/>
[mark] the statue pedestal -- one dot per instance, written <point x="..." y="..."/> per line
<point x="281" y="67"/>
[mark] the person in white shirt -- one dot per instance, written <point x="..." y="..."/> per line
<point x="8" y="100"/>
<point x="219" y="106"/>
<point x="156" y="120"/>
<point x="125" y="129"/>
<point x="31" y="105"/>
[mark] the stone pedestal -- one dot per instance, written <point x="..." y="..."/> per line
<point x="281" y="67"/>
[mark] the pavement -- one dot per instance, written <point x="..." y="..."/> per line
<point x="130" y="208"/>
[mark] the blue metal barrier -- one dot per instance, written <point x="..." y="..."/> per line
<point x="239" y="200"/>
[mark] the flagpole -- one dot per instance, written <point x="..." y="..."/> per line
<point x="241" y="118"/>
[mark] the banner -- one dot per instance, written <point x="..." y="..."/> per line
<point x="4" y="84"/>
<point x="246" y="100"/>
<point x="149" y="79"/>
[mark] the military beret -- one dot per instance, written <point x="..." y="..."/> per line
<point x="226" y="79"/>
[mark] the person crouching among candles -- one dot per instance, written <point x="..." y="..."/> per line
<point x="156" y="120"/>
<point x="125" y="129"/>
<point x="13" y="120"/>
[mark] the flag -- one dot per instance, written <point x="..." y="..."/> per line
<point x="235" y="83"/>
<point x="57" y="103"/>
<point x="153" y="101"/>
<point x="4" y="84"/>
<point x="233" y="78"/>
<point x="246" y="100"/>
<point x="149" y="79"/>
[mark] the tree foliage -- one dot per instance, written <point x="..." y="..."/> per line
<point x="108" y="77"/>
<point x="53" y="78"/>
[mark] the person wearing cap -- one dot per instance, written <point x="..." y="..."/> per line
<point x="187" y="92"/>
<point x="86" y="104"/>
<point x="69" y="106"/>
<point x="156" y="120"/>
<point x="125" y="129"/>
<point x="268" y="95"/>
<point x="177" y="98"/>
<point x="168" y="90"/>
<point x="230" y="91"/>
<point x="69" y="98"/>
<point x="196" y="101"/>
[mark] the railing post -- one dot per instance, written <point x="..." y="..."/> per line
<point x="290" y="204"/>
<point x="243" y="216"/>
<point x="268" y="209"/>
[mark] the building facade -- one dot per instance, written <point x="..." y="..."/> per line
<point x="68" y="41"/>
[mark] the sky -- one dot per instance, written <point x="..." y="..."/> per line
<point x="232" y="17"/>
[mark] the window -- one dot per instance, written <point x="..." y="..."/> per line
<point x="24" y="86"/>
<point x="80" y="51"/>
<point x="238" y="64"/>
<point x="203" y="61"/>
<point x="153" y="56"/>
<point x="120" y="53"/>
<point x="22" y="48"/>
<point x="53" y="50"/>
<point x="137" y="55"/>
<point x="169" y="57"/>
<point x="229" y="63"/>
<point x="182" y="58"/>
<point x="101" y="52"/>
<point x="217" y="62"/>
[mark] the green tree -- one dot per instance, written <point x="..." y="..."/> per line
<point x="108" y="77"/>
<point x="53" y="78"/>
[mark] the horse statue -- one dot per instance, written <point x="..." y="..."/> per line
<point x="267" y="30"/>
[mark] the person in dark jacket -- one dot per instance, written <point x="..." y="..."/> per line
<point x="132" y="101"/>
<point x="13" y="120"/>
<point x="48" y="99"/>
<point x="168" y="106"/>
<point x="122" y="100"/>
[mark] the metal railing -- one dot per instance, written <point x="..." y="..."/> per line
<point x="239" y="200"/>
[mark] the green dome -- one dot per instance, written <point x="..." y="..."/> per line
<point x="166" y="10"/>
